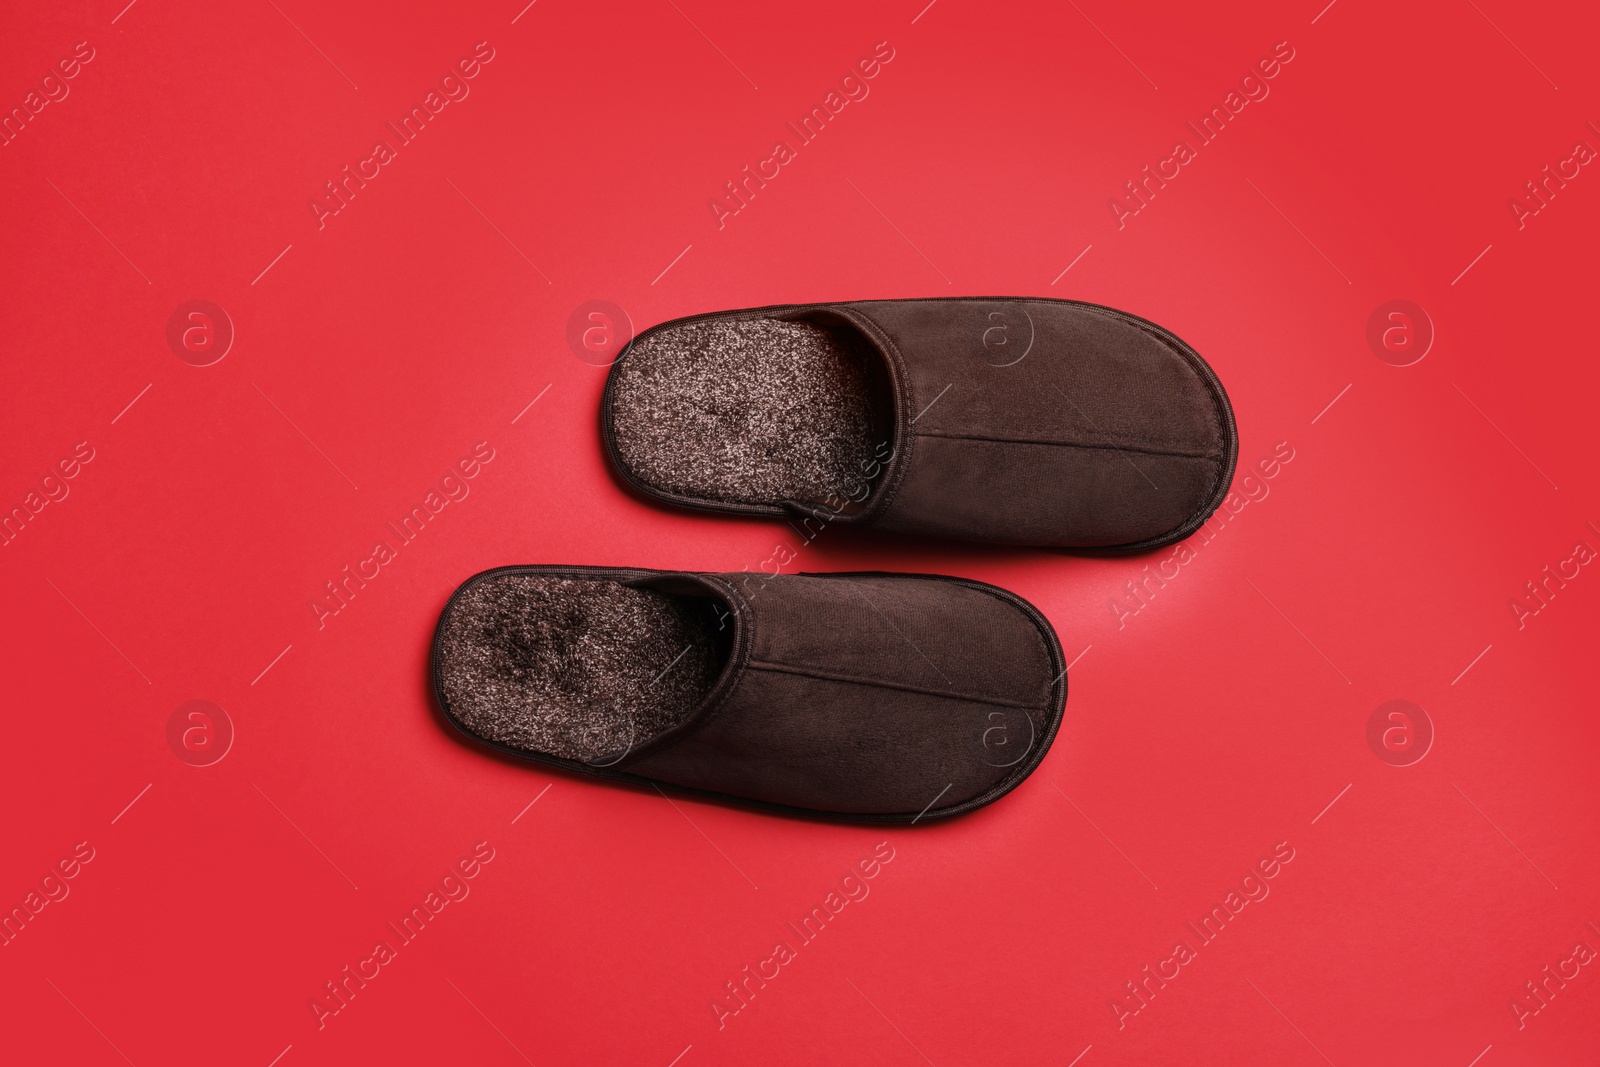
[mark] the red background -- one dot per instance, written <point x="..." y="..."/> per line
<point x="1221" y="719"/>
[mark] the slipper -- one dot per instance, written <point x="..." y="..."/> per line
<point x="865" y="697"/>
<point x="1008" y="420"/>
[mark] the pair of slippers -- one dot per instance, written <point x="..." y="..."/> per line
<point x="867" y="697"/>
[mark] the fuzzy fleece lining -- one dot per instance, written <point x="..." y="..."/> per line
<point x="756" y="411"/>
<point x="582" y="670"/>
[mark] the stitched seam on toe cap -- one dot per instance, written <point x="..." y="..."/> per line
<point x="1007" y="598"/>
<point x="1143" y="449"/>
<point x="1188" y="359"/>
<point x="830" y="676"/>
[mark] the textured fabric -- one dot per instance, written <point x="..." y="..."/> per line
<point x="886" y="697"/>
<point x="747" y="411"/>
<point x="583" y="670"/>
<point x="1015" y="421"/>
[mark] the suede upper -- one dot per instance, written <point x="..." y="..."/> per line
<point x="1045" y="422"/>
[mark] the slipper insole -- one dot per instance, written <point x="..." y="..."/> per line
<point x="583" y="670"/>
<point x="755" y="411"/>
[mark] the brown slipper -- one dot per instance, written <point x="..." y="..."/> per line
<point x="867" y="697"/>
<point x="1007" y="420"/>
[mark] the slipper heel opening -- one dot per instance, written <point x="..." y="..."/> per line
<point x="753" y="411"/>
<point x="581" y="670"/>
